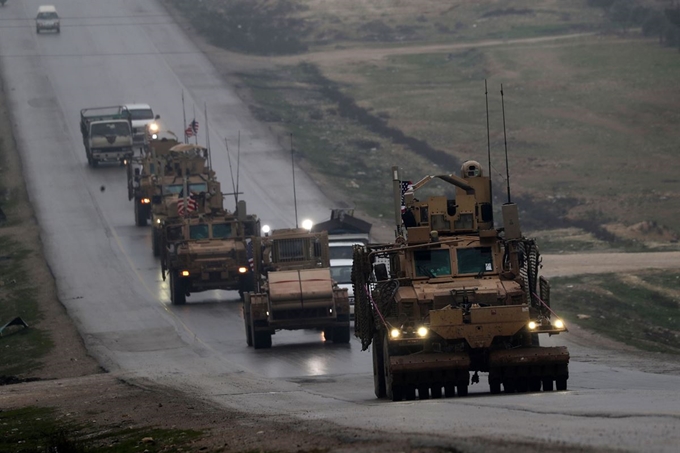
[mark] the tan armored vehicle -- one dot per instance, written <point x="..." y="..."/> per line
<point x="143" y="172"/>
<point x="181" y="164"/>
<point x="454" y="295"/>
<point x="294" y="289"/>
<point x="207" y="248"/>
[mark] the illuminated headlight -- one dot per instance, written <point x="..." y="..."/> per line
<point x="242" y="270"/>
<point x="154" y="136"/>
<point x="158" y="221"/>
<point x="185" y="273"/>
<point x="394" y="333"/>
<point x="307" y="224"/>
<point x="559" y="324"/>
<point x="146" y="200"/>
<point x="266" y="229"/>
<point x="532" y="325"/>
<point x="153" y="127"/>
<point x="422" y="331"/>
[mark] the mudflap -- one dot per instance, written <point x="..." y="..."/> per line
<point x="529" y="369"/>
<point x="431" y="375"/>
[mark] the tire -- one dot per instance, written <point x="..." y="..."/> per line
<point x="155" y="242"/>
<point x="547" y="384"/>
<point x="378" y="367"/>
<point x="560" y="384"/>
<point x="393" y="391"/>
<point x="462" y="389"/>
<point x="495" y="386"/>
<point x="341" y="335"/>
<point x="95" y="162"/>
<point x="262" y="340"/>
<point x="246" y="320"/>
<point x="140" y="213"/>
<point x="37" y="30"/>
<point x="58" y="29"/>
<point x="177" y="289"/>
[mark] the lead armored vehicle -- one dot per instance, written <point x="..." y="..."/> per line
<point x="453" y="296"/>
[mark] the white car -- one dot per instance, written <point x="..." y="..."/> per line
<point x="342" y="250"/>
<point x="341" y="273"/>
<point x="47" y="19"/>
<point x="142" y="117"/>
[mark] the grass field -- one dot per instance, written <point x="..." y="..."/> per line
<point x="638" y="309"/>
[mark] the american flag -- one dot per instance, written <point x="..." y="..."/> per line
<point x="191" y="203"/>
<point x="405" y="186"/>
<point x="249" y="254"/>
<point x="192" y="128"/>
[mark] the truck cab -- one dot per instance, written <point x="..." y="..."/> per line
<point x="107" y="134"/>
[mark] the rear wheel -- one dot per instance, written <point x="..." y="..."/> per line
<point x="140" y="213"/>
<point x="246" y="320"/>
<point x="156" y="242"/>
<point x="378" y="367"/>
<point x="495" y="386"/>
<point x="462" y="389"/>
<point x="560" y="384"/>
<point x="547" y="384"/>
<point x="262" y="340"/>
<point x="341" y="334"/>
<point x="177" y="289"/>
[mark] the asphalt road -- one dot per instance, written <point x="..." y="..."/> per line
<point x="116" y="51"/>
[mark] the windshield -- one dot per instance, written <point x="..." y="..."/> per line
<point x="432" y="263"/>
<point x="141" y="114"/>
<point x="198" y="231"/>
<point x="193" y="188"/>
<point x="221" y="230"/>
<point x="344" y="252"/>
<point x="48" y="16"/>
<point x="104" y="129"/>
<point x="341" y="274"/>
<point x="475" y="260"/>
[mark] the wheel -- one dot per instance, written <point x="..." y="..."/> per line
<point x="328" y="334"/>
<point x="246" y="284"/>
<point x="436" y="390"/>
<point x="246" y="320"/>
<point x="522" y="385"/>
<point x="534" y="384"/>
<point x="177" y="289"/>
<point x="341" y="334"/>
<point x="37" y="30"/>
<point x="449" y="389"/>
<point x="423" y="392"/>
<point x="140" y="213"/>
<point x="495" y="386"/>
<point x="547" y="384"/>
<point x="95" y="162"/>
<point x="392" y="391"/>
<point x="156" y="242"/>
<point x="560" y="383"/>
<point x="262" y="340"/>
<point x="378" y="367"/>
<point x="462" y="389"/>
<point x="509" y="386"/>
<point x="409" y="392"/>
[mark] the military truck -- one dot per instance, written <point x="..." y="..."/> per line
<point x="206" y="248"/>
<point x="294" y="288"/>
<point x="180" y="161"/>
<point x="107" y="134"/>
<point x="460" y="297"/>
<point x="144" y="171"/>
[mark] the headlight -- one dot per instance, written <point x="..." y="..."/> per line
<point x="242" y="270"/>
<point x="307" y="224"/>
<point x="559" y="324"/>
<point x="146" y="200"/>
<point x="154" y="136"/>
<point x="158" y="221"/>
<point x="422" y="331"/>
<point x="532" y="325"/>
<point x="266" y="229"/>
<point x="153" y="127"/>
<point x="394" y="333"/>
<point x="185" y="273"/>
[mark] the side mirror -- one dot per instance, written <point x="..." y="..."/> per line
<point x="380" y="271"/>
<point x="156" y="199"/>
<point x="158" y="117"/>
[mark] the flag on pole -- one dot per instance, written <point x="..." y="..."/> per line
<point x="192" y="129"/>
<point x="191" y="205"/>
<point x="405" y="186"/>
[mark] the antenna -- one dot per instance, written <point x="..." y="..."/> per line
<point x="231" y="171"/>
<point x="238" y="163"/>
<point x="192" y="125"/>
<point x="292" y="160"/>
<point x="207" y="136"/>
<point x="488" y="138"/>
<point x="184" y="114"/>
<point x="505" y="140"/>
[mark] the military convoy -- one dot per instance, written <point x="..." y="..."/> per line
<point x="453" y="295"/>
<point x="294" y="288"/>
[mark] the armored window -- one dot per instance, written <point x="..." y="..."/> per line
<point x="474" y="260"/>
<point x="432" y="263"/>
<point x="141" y="114"/>
<point x="198" y="187"/>
<point x="287" y="250"/>
<point x="198" y="231"/>
<point x="172" y="188"/>
<point x="221" y="230"/>
<point x="341" y="274"/>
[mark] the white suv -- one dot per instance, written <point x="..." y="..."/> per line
<point x="341" y="273"/>
<point x="142" y="116"/>
<point x="47" y="19"/>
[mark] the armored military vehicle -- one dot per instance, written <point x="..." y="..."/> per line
<point x="206" y="247"/>
<point x="143" y="173"/>
<point x="294" y="288"/>
<point x="453" y="295"/>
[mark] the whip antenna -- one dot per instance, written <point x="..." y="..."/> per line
<point x="505" y="140"/>
<point x="292" y="159"/>
<point x="488" y="137"/>
<point x="238" y="163"/>
<point x="207" y="136"/>
<point x="231" y="171"/>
